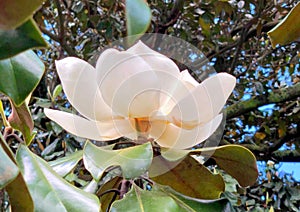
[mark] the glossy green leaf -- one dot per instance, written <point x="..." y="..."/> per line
<point x="65" y="165"/>
<point x="138" y="18"/>
<point x="288" y="30"/>
<point x="19" y="203"/>
<point x="133" y="161"/>
<point x="192" y="204"/>
<point x="14" y="13"/>
<point x="164" y="198"/>
<point x="8" y="169"/>
<point x="17" y="40"/>
<point x="49" y="190"/>
<point x="20" y="119"/>
<point x="20" y="75"/>
<point x="190" y="178"/>
<point x="236" y="160"/>
<point x="137" y="200"/>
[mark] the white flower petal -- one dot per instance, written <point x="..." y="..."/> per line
<point x="204" y="102"/>
<point x="188" y="80"/>
<point x="172" y="136"/>
<point x="123" y="76"/>
<point x="138" y="96"/>
<point x="157" y="61"/>
<point x="78" y="80"/>
<point x="104" y="131"/>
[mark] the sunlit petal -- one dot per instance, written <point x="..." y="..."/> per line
<point x="123" y="77"/>
<point x="188" y="80"/>
<point x="79" y="84"/>
<point x="205" y="101"/>
<point x="157" y="61"/>
<point x="104" y="131"/>
<point x="171" y="136"/>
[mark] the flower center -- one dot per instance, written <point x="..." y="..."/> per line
<point x="142" y="125"/>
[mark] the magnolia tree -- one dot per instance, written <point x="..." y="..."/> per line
<point x="147" y="131"/>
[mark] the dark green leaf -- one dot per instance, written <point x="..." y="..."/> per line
<point x="20" y="75"/>
<point x="49" y="190"/>
<point x="133" y="161"/>
<point x="17" y="40"/>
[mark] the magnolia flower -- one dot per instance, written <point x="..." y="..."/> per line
<point x="140" y="92"/>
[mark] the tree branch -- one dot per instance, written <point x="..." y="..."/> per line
<point x="61" y="36"/>
<point x="280" y="95"/>
<point x="172" y="18"/>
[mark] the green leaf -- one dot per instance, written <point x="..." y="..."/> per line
<point x="236" y="160"/>
<point x="192" y="204"/>
<point x="65" y="165"/>
<point x="20" y="75"/>
<point x="191" y="178"/>
<point x="138" y="17"/>
<point x="163" y="197"/>
<point x="137" y="200"/>
<point x="288" y="30"/>
<point x="49" y="190"/>
<point x="14" y="13"/>
<point x="133" y="161"/>
<point x="17" y="40"/>
<point x="56" y="92"/>
<point x="20" y="119"/>
<point x="19" y="203"/>
<point x="8" y="170"/>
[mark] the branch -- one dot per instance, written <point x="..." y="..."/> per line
<point x="172" y="18"/>
<point x="280" y="95"/>
<point x="286" y="156"/>
<point x="61" y="37"/>
<point x="252" y="32"/>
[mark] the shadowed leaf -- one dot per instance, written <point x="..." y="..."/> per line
<point x="192" y="179"/>
<point x="20" y="119"/>
<point x="20" y="75"/>
<point x="14" y="13"/>
<point x="17" y="40"/>
<point x="19" y="203"/>
<point x="288" y="30"/>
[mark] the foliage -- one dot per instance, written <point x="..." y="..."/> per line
<point x="55" y="168"/>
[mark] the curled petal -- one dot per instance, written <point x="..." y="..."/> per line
<point x="171" y="136"/>
<point x="157" y="61"/>
<point x="79" y="84"/>
<point x="102" y="131"/>
<point x="188" y="80"/>
<point x="204" y="102"/>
